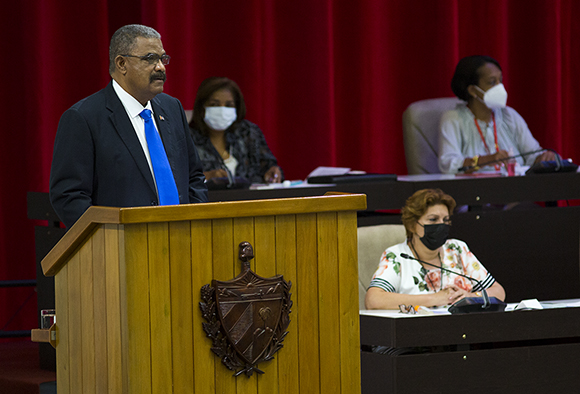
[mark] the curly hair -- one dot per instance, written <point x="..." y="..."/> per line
<point x="419" y="203"/>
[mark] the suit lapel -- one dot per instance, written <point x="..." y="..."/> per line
<point x="125" y="129"/>
<point x="163" y="123"/>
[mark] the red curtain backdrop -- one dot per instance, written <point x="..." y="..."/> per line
<point x="327" y="81"/>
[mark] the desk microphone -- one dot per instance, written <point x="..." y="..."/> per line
<point x="558" y="160"/>
<point x="468" y="304"/>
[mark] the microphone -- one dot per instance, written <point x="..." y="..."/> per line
<point x="467" y="168"/>
<point x="546" y="167"/>
<point x="469" y="304"/>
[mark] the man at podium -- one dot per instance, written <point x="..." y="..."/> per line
<point x="128" y="144"/>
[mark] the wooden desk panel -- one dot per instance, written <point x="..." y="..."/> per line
<point x="529" y="325"/>
<point x="473" y="191"/>
<point x="511" y="352"/>
<point x="530" y="370"/>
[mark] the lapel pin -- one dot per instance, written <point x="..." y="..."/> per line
<point x="161" y="117"/>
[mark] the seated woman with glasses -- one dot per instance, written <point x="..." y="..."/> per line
<point x="229" y="145"/>
<point x="406" y="281"/>
<point x="483" y="131"/>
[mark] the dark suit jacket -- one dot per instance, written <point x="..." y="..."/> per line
<point x="98" y="159"/>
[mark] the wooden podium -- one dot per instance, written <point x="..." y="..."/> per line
<point x="128" y="286"/>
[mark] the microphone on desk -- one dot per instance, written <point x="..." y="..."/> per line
<point x="546" y="167"/>
<point x="467" y="168"/>
<point x="468" y="304"/>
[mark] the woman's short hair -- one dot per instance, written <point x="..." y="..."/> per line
<point x="208" y="87"/>
<point x="419" y="202"/>
<point x="466" y="74"/>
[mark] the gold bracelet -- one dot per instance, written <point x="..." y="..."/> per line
<point x="475" y="160"/>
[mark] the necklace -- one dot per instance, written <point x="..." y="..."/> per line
<point x="497" y="167"/>
<point x="440" y="267"/>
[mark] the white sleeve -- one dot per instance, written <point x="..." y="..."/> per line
<point x="388" y="274"/>
<point x="450" y="154"/>
<point x="522" y="135"/>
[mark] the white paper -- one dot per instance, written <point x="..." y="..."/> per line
<point x="328" y="171"/>
<point x="532" y="303"/>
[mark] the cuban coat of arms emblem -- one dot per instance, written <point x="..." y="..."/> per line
<point x="247" y="316"/>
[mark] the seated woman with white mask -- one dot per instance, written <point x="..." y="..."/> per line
<point x="225" y="141"/>
<point x="483" y="132"/>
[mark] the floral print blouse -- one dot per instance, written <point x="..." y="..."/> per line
<point x="399" y="275"/>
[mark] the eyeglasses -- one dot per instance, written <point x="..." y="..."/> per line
<point x="153" y="58"/>
<point x="408" y="309"/>
<point x="445" y="221"/>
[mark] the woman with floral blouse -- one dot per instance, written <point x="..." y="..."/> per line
<point x="403" y="281"/>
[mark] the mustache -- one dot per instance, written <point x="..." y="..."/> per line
<point x="158" y="75"/>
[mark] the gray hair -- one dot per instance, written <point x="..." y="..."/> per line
<point x="123" y="41"/>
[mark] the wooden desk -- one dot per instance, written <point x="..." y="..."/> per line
<point x="533" y="252"/>
<point x="472" y="191"/>
<point x="467" y="190"/>
<point x="506" y="352"/>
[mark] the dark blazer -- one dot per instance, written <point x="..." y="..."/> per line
<point x="98" y="159"/>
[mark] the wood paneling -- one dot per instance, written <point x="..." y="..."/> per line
<point x="265" y="257"/>
<point x="128" y="316"/>
<point x="328" y="300"/>
<point x="100" y="310"/>
<point x="348" y="302"/>
<point x="181" y="306"/>
<point x="305" y="310"/>
<point x="137" y="309"/>
<point x="223" y="256"/>
<point x="87" y="317"/>
<point x="63" y="336"/>
<point x="160" y="307"/>
<point x="244" y="232"/>
<point x="288" y="367"/>
<point x="204" y="363"/>
<point x="75" y="338"/>
<point x="116" y="368"/>
<point x="237" y="209"/>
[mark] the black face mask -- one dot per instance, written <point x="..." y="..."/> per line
<point x="435" y="235"/>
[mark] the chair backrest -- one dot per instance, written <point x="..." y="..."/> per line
<point x="421" y="133"/>
<point x="189" y="114"/>
<point x="372" y="242"/>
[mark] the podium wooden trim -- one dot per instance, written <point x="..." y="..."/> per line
<point x="128" y="280"/>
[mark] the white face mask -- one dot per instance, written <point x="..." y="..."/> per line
<point x="219" y="118"/>
<point x="495" y="97"/>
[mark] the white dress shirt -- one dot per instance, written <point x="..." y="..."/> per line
<point x="134" y="108"/>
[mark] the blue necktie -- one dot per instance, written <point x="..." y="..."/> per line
<point x="166" y="188"/>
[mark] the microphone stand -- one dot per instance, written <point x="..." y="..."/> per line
<point x="486" y="302"/>
<point x="467" y="168"/>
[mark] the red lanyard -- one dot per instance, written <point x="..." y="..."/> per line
<point x="497" y="167"/>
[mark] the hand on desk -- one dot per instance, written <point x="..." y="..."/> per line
<point x="498" y="158"/>
<point x="219" y="173"/>
<point x="545" y="156"/>
<point x="449" y="295"/>
<point x="273" y="175"/>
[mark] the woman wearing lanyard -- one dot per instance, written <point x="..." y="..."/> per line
<point x="483" y="131"/>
